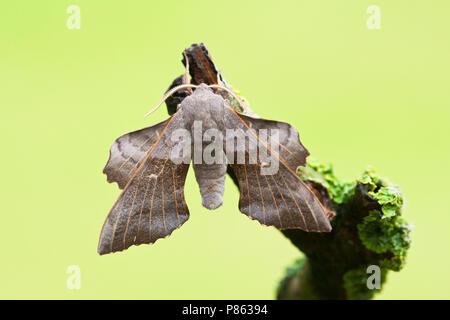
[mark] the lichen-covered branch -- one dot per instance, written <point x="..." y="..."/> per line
<point x="368" y="229"/>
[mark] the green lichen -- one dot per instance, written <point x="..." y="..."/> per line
<point x="383" y="234"/>
<point x="388" y="195"/>
<point x="385" y="231"/>
<point x="355" y="284"/>
<point x="339" y="191"/>
<point x="391" y="200"/>
<point x="370" y="178"/>
<point x="382" y="230"/>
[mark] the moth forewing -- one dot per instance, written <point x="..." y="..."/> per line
<point x="152" y="203"/>
<point x="275" y="197"/>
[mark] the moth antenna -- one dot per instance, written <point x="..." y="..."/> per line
<point x="187" y="79"/>
<point x="168" y="94"/>
<point x="244" y="107"/>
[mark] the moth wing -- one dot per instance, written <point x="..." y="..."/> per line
<point x="279" y="198"/>
<point x="152" y="203"/>
<point x="128" y="151"/>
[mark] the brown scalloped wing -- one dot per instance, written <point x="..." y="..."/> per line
<point x="152" y="203"/>
<point x="280" y="199"/>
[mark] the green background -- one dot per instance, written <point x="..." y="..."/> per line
<point x="357" y="97"/>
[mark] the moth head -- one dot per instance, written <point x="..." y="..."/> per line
<point x="202" y="86"/>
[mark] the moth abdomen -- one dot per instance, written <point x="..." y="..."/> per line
<point x="211" y="180"/>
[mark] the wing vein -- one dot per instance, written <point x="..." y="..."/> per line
<point x="309" y="207"/>
<point x="162" y="196"/>
<point x="248" y="191"/>
<point x="274" y="201"/>
<point x="282" y="197"/>
<point x="295" y="201"/>
<point x="260" y="193"/>
<point x="151" y="211"/>
<point x="131" y="208"/>
<point x="142" y="206"/>
<point x="175" y="194"/>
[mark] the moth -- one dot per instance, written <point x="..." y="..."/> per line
<point x="150" y="166"/>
